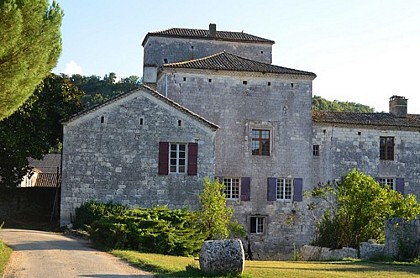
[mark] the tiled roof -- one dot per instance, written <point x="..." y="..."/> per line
<point x="230" y="62"/>
<point x="48" y="164"/>
<point x="205" y="34"/>
<point x="154" y="93"/>
<point x="370" y="119"/>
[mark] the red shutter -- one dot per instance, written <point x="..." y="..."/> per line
<point x="163" y="158"/>
<point x="192" y="159"/>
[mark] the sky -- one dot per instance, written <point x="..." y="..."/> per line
<point x="362" y="51"/>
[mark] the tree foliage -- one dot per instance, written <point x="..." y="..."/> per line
<point x="30" y="46"/>
<point x="98" y="90"/>
<point x="35" y="127"/>
<point x="215" y="216"/>
<point x="355" y="210"/>
<point x="319" y="103"/>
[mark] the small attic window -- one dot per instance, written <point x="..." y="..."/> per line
<point x="244" y="82"/>
<point x="185" y="79"/>
<point x="102" y="119"/>
<point x="209" y="80"/>
<point x="292" y="85"/>
<point x="359" y="133"/>
<point x="141" y="121"/>
<point x="192" y="46"/>
<point x="268" y="83"/>
<point x="165" y="60"/>
<point x="262" y="52"/>
<point x="179" y="123"/>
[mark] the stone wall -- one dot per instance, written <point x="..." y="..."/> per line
<point x="343" y="148"/>
<point x="111" y="155"/>
<point x="279" y="103"/>
<point x="402" y="238"/>
<point x="160" y="50"/>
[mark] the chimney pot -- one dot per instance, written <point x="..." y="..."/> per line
<point x="212" y="29"/>
<point x="398" y="106"/>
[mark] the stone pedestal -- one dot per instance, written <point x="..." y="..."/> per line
<point x="222" y="257"/>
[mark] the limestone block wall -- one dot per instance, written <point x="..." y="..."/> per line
<point x="402" y="238"/>
<point x="111" y="154"/>
<point x="161" y="50"/>
<point x="238" y="103"/>
<point x="342" y="148"/>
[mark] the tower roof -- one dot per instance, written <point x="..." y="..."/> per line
<point x="230" y="62"/>
<point x="207" y="35"/>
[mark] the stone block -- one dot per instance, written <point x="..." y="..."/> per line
<point x="222" y="257"/>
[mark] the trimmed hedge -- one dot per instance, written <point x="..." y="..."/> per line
<point x="158" y="230"/>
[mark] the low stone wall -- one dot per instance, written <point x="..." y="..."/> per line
<point x="371" y="250"/>
<point x="316" y="253"/>
<point x="402" y="238"/>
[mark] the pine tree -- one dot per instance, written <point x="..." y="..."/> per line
<point x="30" y="46"/>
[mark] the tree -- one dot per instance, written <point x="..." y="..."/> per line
<point x="215" y="216"/>
<point x="30" y="46"/>
<point x="319" y="103"/>
<point x="98" y="90"/>
<point x="356" y="210"/>
<point x="35" y="128"/>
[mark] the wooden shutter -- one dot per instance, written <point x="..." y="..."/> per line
<point x="245" y="189"/>
<point x="271" y="189"/>
<point x="163" y="158"/>
<point x="399" y="185"/>
<point x="298" y="189"/>
<point x="192" y="159"/>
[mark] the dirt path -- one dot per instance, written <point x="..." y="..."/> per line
<point x="43" y="254"/>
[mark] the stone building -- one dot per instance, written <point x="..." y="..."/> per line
<point x="138" y="149"/>
<point x="269" y="148"/>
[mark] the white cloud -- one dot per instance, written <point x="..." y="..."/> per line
<point x="73" y="68"/>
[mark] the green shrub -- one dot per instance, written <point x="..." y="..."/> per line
<point x="93" y="211"/>
<point x="158" y="230"/>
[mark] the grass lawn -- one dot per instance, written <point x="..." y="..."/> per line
<point x="4" y="256"/>
<point x="171" y="266"/>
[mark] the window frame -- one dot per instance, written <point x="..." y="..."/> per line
<point x="177" y="158"/>
<point x="386" y="148"/>
<point x="258" y="227"/>
<point x="315" y="150"/>
<point x="286" y="189"/>
<point x="391" y="182"/>
<point x="260" y="140"/>
<point x="232" y="193"/>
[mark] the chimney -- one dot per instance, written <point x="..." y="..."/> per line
<point x="212" y="29"/>
<point x="398" y="106"/>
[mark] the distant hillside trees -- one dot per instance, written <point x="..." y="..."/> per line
<point x="319" y="103"/>
<point x="98" y="90"/>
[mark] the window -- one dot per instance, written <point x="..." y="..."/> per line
<point x="284" y="189"/>
<point x="387" y="181"/>
<point x="177" y="160"/>
<point x="260" y="142"/>
<point x="232" y="186"/>
<point x="315" y="150"/>
<point x="386" y="149"/>
<point x="244" y="82"/>
<point x="257" y="225"/>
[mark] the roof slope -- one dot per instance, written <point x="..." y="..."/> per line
<point x="48" y="164"/>
<point x="205" y="34"/>
<point x="156" y="95"/>
<point x="230" y="62"/>
<point x="373" y="119"/>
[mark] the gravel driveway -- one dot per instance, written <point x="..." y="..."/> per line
<point x="43" y="254"/>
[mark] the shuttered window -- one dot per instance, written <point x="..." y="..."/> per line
<point x="179" y="158"/>
<point x="284" y="189"/>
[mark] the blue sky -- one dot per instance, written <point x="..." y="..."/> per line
<point x="361" y="50"/>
